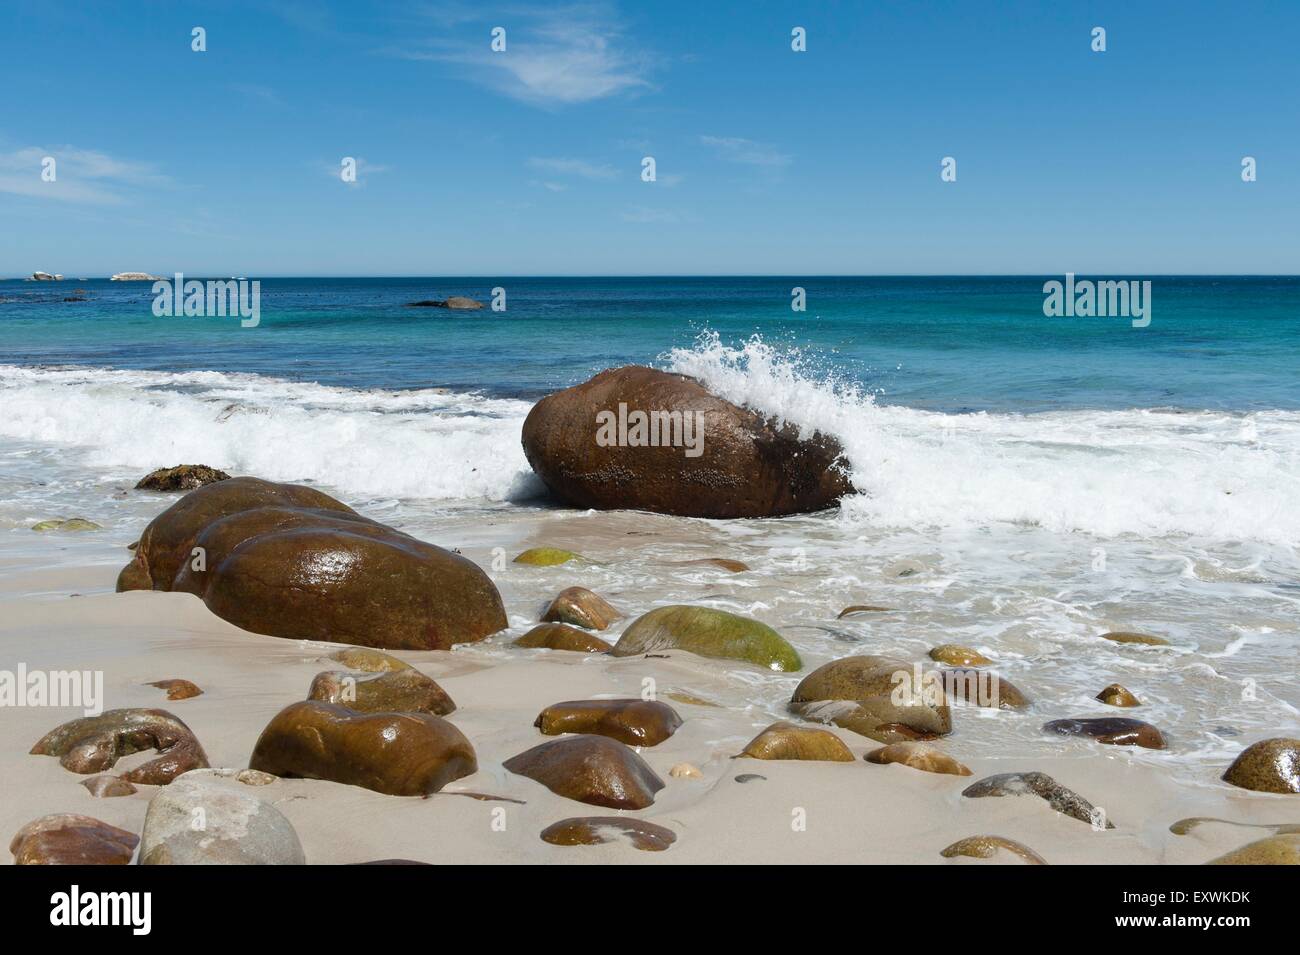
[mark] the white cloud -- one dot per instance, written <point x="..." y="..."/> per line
<point x="746" y="151"/>
<point x="556" y="57"/>
<point x="575" y="167"/>
<point x="80" y="175"/>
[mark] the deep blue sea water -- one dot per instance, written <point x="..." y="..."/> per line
<point x="945" y="343"/>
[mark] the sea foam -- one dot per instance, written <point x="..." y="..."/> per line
<point x="1145" y="472"/>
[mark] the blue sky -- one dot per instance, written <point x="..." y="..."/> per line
<point x="769" y="161"/>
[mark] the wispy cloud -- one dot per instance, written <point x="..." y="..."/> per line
<point x="79" y="175"/>
<point x="647" y="214"/>
<point x="263" y="93"/>
<point x="553" y="57"/>
<point x="575" y="167"/>
<point x="746" y="151"/>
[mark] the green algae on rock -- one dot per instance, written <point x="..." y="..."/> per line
<point x="546" y="556"/>
<point x="708" y="633"/>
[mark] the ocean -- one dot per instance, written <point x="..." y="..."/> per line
<point x="1024" y="482"/>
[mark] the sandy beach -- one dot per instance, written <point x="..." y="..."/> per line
<point x="58" y="611"/>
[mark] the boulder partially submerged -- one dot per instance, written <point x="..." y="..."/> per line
<point x="648" y="440"/>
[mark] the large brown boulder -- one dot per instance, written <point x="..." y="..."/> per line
<point x="648" y="440"/>
<point x="401" y="754"/>
<point x="289" y="561"/>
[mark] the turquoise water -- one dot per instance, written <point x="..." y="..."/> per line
<point x="946" y="344"/>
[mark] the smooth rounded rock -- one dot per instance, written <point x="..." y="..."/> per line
<point x="546" y="557"/>
<point x="106" y="787"/>
<point x="71" y="839"/>
<point x="706" y="456"/>
<point x="1140" y="639"/>
<point x="400" y="754"/>
<point x="636" y="722"/>
<point x="561" y="636"/>
<point x="1275" y="850"/>
<point x="581" y="607"/>
<point x="784" y="740"/>
<point x="591" y="769"/>
<point x="178" y="689"/>
<point x="708" y="633"/>
<point x="955" y="655"/>
<point x="986" y="847"/>
<point x="596" y="830"/>
<point x="289" y="561"/>
<point x="918" y="756"/>
<point x="1113" y="730"/>
<point x="862" y="608"/>
<point x="983" y="688"/>
<point x="369" y="660"/>
<point x="201" y="819"/>
<point x="94" y="744"/>
<point x="391" y="691"/>
<point x="1269" y="766"/>
<point x="858" y="694"/>
<point x="72" y="524"/>
<point x="722" y="563"/>
<point x="1116" y="695"/>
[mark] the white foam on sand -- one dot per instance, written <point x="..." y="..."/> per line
<point x="407" y="444"/>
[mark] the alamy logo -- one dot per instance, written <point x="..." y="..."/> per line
<point x="651" y="429"/>
<point x="1106" y="299"/>
<point x="943" y="687"/>
<point x="211" y="299"/>
<point x="103" y="908"/>
<point x="83" y="688"/>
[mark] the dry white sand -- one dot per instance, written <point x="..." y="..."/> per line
<point x="852" y="812"/>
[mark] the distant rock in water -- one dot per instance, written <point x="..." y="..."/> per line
<point x="648" y="440"/>
<point x="183" y="477"/>
<point x="262" y="553"/>
<point x="454" y="302"/>
<point x="134" y="277"/>
<point x="45" y="277"/>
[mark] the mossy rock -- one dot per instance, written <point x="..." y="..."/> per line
<point x="71" y="524"/>
<point x="708" y="633"/>
<point x="546" y="556"/>
<point x="1141" y="639"/>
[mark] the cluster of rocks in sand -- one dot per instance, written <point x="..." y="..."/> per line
<point x="293" y="562"/>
